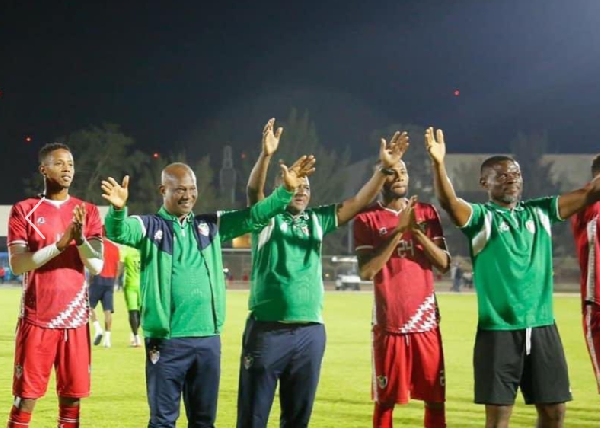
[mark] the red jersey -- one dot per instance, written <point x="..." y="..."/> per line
<point x="56" y="294"/>
<point x="110" y="269"/>
<point x="404" y="294"/>
<point x="585" y="230"/>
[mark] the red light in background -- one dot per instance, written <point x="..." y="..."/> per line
<point x="156" y="155"/>
<point x="28" y="139"/>
<point x="243" y="155"/>
<point x="457" y="93"/>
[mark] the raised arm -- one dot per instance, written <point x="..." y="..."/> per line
<point x="458" y="210"/>
<point x="91" y="251"/>
<point x="575" y="201"/>
<point x="389" y="155"/>
<point x="433" y="247"/>
<point x="372" y="260"/>
<point x="120" y="228"/>
<point x="255" y="190"/>
<point x="238" y="222"/>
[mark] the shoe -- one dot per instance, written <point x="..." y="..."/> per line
<point x="98" y="337"/>
<point x="107" y="344"/>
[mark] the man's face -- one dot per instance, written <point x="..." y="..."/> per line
<point x="504" y="182"/>
<point x="396" y="185"/>
<point x="301" y="198"/>
<point x="179" y="193"/>
<point x="58" y="168"/>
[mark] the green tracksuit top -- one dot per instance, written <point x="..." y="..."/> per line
<point x="182" y="282"/>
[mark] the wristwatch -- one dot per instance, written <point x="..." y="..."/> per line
<point x="386" y="171"/>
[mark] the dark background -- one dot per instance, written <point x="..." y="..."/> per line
<point x="172" y="72"/>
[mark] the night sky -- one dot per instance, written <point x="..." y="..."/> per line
<point x="171" y="71"/>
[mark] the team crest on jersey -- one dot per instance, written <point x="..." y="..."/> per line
<point x="283" y="227"/>
<point x="41" y="220"/>
<point x="158" y="235"/>
<point x="530" y="225"/>
<point x="504" y="227"/>
<point x="248" y="360"/>
<point x="305" y="229"/>
<point x="154" y="356"/>
<point x="18" y="371"/>
<point x="382" y="381"/>
<point x="382" y="231"/>
<point x="203" y="229"/>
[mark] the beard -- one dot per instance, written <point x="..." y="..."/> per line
<point x="509" y="199"/>
<point x="389" y="193"/>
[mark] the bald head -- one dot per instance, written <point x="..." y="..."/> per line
<point x="176" y="172"/>
<point x="178" y="189"/>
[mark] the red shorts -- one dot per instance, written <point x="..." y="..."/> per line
<point x="408" y="366"/>
<point x="591" y="330"/>
<point x="37" y="349"/>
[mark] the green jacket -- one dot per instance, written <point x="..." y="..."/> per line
<point x="153" y="236"/>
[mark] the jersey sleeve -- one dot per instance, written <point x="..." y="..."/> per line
<point x="548" y="206"/>
<point x="476" y="221"/>
<point x="363" y="234"/>
<point x="238" y="222"/>
<point x="94" y="223"/>
<point x="327" y="216"/>
<point x="433" y="224"/>
<point x="17" y="226"/>
<point x="124" y="230"/>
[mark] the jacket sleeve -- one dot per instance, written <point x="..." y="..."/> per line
<point x="235" y="223"/>
<point x="124" y="230"/>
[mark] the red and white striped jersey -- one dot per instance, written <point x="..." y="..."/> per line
<point x="585" y="230"/>
<point x="404" y="293"/>
<point x="54" y="295"/>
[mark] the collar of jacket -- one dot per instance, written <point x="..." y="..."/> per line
<point x="162" y="212"/>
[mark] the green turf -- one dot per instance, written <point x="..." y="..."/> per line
<point x="343" y="398"/>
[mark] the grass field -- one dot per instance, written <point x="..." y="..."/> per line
<point x="343" y="398"/>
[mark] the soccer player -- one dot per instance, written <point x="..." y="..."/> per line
<point x="183" y="288"/>
<point x="130" y="260"/>
<point x="102" y="289"/>
<point x="284" y="338"/>
<point x="52" y="238"/>
<point x="398" y="242"/>
<point x="517" y="342"/>
<point x="585" y="230"/>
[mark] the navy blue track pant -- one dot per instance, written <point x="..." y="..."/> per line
<point x="288" y="353"/>
<point x="190" y="366"/>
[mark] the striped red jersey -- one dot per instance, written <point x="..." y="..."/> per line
<point x="404" y="292"/>
<point x="585" y="230"/>
<point x="56" y="294"/>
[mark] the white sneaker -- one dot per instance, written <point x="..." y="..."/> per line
<point x="107" y="344"/>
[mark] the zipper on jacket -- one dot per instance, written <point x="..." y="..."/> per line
<point x="212" y="293"/>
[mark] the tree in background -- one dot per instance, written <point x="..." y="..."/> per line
<point x="328" y="183"/>
<point x="104" y="151"/>
<point x="99" y="152"/>
<point x="146" y="197"/>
